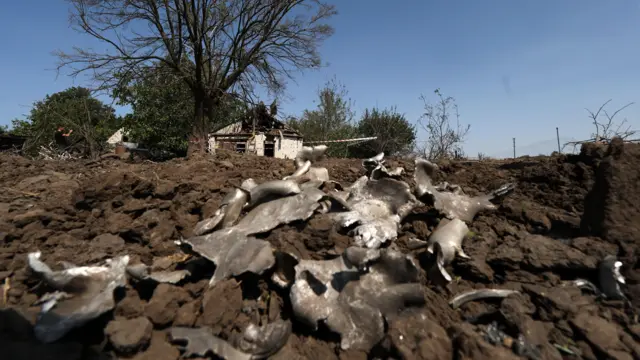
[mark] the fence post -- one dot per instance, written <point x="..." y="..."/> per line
<point x="558" y="137"/>
<point x="514" y="148"/>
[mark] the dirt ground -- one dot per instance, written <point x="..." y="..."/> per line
<point x="567" y="214"/>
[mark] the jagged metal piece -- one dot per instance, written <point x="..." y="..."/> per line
<point x="610" y="278"/>
<point x="256" y="343"/>
<point x="450" y="199"/>
<point x="234" y="251"/>
<point x="480" y="294"/>
<point x="228" y="213"/>
<point x="353" y="293"/>
<point x="376" y="207"/>
<point x="143" y="272"/>
<point x="82" y="294"/>
<point x="299" y="171"/>
<point x="272" y="190"/>
<point x="310" y="153"/>
<point x="445" y="243"/>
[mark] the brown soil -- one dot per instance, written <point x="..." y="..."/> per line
<point x="84" y="212"/>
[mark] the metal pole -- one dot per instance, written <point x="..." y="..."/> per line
<point x="558" y="137"/>
<point x="514" y="148"/>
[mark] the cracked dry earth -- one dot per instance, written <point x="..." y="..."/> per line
<point x="566" y="214"/>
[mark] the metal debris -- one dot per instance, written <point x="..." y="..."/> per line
<point x="375" y="168"/>
<point x="300" y="171"/>
<point x="519" y="345"/>
<point x="445" y="243"/>
<point x="610" y="278"/>
<point x="450" y="199"/>
<point x="310" y="153"/>
<point x="377" y="207"/>
<point x="449" y="234"/>
<point x="233" y="252"/>
<point x="228" y="213"/>
<point x="256" y="342"/>
<point x="272" y="190"/>
<point x="143" y="272"/>
<point x="353" y="293"/>
<point x="264" y="341"/>
<point x="479" y="294"/>
<point x="82" y="294"/>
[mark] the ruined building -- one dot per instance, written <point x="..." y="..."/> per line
<point x="260" y="134"/>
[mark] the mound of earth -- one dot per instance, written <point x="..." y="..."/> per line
<point x="566" y="214"/>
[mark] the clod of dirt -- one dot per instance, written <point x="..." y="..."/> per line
<point x="128" y="336"/>
<point x="354" y="292"/>
<point x="142" y="272"/>
<point x="377" y="207"/>
<point x="256" y="342"/>
<point x="82" y="294"/>
<point x="480" y="294"/>
<point x="228" y="213"/>
<point x="416" y="336"/>
<point x="450" y="199"/>
<point x="165" y="303"/>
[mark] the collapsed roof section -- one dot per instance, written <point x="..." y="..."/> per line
<point x="265" y="123"/>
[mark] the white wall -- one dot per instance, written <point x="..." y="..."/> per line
<point x="284" y="148"/>
<point x="116" y="137"/>
<point x="287" y="148"/>
<point x="259" y="141"/>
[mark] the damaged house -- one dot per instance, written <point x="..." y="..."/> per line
<point x="262" y="134"/>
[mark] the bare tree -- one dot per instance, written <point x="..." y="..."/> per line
<point x="216" y="47"/>
<point x="606" y="129"/>
<point x="444" y="139"/>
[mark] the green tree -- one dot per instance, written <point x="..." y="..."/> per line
<point x="74" y="109"/>
<point x="395" y="135"/>
<point x="215" y="47"/>
<point x="333" y="119"/>
<point x="162" y="109"/>
<point x="4" y="129"/>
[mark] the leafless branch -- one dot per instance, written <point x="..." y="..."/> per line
<point x="444" y="140"/>
<point x="605" y="129"/>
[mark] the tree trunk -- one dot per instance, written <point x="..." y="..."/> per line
<point x="199" y="139"/>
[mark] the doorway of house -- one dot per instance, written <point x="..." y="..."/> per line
<point x="269" y="149"/>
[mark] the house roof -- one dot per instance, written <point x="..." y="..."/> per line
<point x="270" y="127"/>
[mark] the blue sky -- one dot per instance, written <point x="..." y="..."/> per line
<point x="517" y="68"/>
